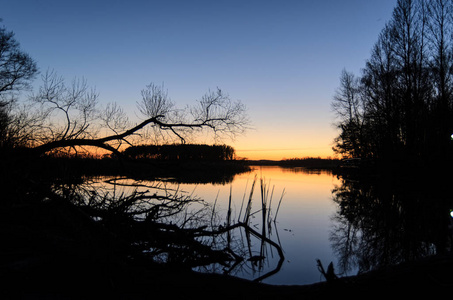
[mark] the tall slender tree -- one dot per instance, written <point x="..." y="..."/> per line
<point x="440" y="44"/>
<point x="347" y="106"/>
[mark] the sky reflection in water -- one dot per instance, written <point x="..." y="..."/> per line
<point x="303" y="219"/>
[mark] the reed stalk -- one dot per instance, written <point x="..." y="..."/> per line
<point x="278" y="207"/>
<point x="248" y="209"/>
<point x="213" y="209"/>
<point x="228" y="221"/>
<point x="243" y="199"/>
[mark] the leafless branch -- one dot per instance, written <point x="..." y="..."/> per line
<point x="72" y="117"/>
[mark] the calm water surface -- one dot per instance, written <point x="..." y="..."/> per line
<point x="356" y="222"/>
<point x="303" y="219"/>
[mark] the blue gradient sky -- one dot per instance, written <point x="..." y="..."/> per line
<point x="281" y="58"/>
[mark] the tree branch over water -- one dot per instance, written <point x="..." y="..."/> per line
<point x="70" y="117"/>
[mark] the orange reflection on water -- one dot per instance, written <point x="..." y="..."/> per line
<point x="298" y="181"/>
<point x="303" y="218"/>
<point x="299" y="188"/>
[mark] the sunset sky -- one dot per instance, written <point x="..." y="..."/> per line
<point x="281" y="58"/>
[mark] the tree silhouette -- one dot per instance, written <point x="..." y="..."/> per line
<point x="17" y="69"/>
<point x="69" y="116"/>
<point x="404" y="93"/>
<point x="348" y="108"/>
<point x="181" y="152"/>
<point x="52" y="211"/>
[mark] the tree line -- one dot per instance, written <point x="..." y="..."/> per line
<point x="401" y="106"/>
<point x="181" y="152"/>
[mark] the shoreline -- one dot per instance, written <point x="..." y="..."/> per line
<point x="121" y="281"/>
<point x="63" y="267"/>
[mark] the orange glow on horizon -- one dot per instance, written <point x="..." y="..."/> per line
<point x="267" y="152"/>
<point x="248" y="154"/>
<point x="283" y="154"/>
<point x="273" y="144"/>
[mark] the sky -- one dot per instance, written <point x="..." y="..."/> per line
<point x="281" y="58"/>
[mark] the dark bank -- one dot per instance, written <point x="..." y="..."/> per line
<point x="63" y="248"/>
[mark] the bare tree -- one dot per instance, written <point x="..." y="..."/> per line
<point x="348" y="107"/>
<point x="68" y="110"/>
<point x="440" y="41"/>
<point x="17" y="69"/>
<point x="406" y="86"/>
<point x="72" y="117"/>
<point x="215" y="112"/>
<point x="346" y="100"/>
<point x="440" y="28"/>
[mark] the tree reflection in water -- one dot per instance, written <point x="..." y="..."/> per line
<point x="171" y="227"/>
<point x="386" y="220"/>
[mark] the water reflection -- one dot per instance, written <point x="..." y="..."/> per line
<point x="176" y="228"/>
<point x="368" y="221"/>
<point x="302" y="226"/>
<point x="385" y="220"/>
<point x="304" y="170"/>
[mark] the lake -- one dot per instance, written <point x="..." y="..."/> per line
<point x="358" y="223"/>
<point x="303" y="218"/>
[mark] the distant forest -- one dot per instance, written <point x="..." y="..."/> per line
<point x="401" y="106"/>
<point x="181" y="152"/>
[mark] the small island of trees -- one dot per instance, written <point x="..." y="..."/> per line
<point x="181" y="152"/>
